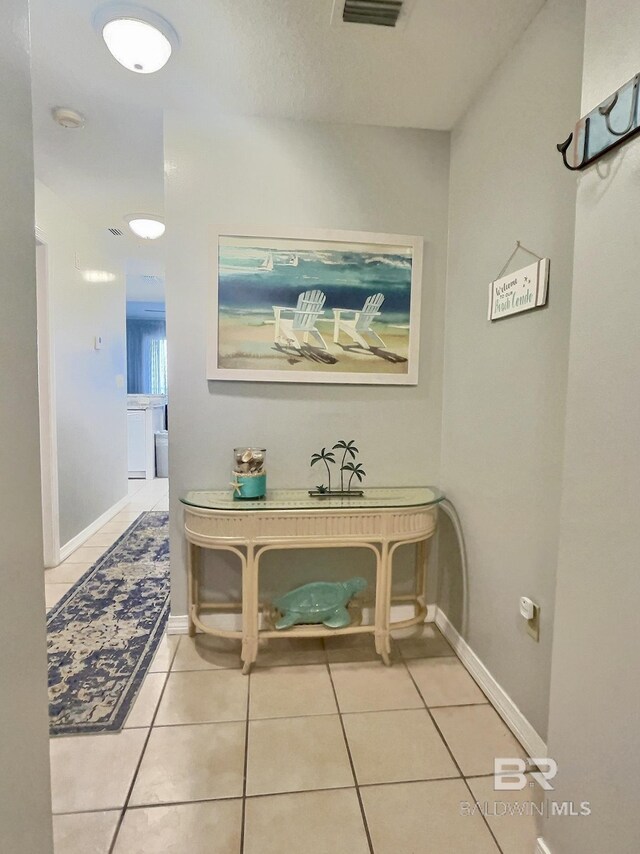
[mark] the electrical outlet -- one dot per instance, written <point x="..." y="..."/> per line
<point x="531" y="613"/>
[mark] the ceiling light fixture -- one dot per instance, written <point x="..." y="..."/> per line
<point x="147" y="226"/>
<point x="137" y="38"/>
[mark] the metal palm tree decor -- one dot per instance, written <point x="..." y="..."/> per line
<point x="347" y="465"/>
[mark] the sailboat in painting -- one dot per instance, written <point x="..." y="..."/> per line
<point x="267" y="264"/>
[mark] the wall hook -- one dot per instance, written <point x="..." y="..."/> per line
<point x="606" y="108"/>
<point x="594" y="134"/>
<point x="564" y="146"/>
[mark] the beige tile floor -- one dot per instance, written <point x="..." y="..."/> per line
<point x="320" y="750"/>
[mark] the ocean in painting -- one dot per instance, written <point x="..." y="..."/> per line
<point x="256" y="274"/>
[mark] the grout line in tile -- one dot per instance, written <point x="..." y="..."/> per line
<point x="246" y="764"/>
<point x="258" y="669"/>
<point x="453" y="758"/>
<point x="458" y="705"/>
<point x="85" y="812"/>
<point x="479" y="776"/>
<point x="282" y="717"/>
<point x="351" y="763"/>
<point x="473" y="798"/>
<point x="404" y="782"/>
<point x="256" y="796"/>
<point x="429" y="658"/>
<point x="141" y="757"/>
<point x="205" y="670"/>
<point x="134" y="807"/>
<point x="298" y="792"/>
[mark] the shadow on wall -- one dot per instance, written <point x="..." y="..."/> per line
<point x="451" y="593"/>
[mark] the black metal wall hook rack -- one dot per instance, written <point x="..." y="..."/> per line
<point x="604" y="127"/>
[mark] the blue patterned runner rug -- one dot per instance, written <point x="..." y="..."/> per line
<point x="103" y="633"/>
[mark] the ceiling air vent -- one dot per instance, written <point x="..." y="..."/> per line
<point x="380" y="13"/>
<point x="116" y="232"/>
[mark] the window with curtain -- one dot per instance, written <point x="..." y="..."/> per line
<point x="158" y="365"/>
<point x="146" y="356"/>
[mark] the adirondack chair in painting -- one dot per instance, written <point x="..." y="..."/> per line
<point x="295" y="325"/>
<point x="356" y="324"/>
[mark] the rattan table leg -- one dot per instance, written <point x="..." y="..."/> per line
<point x="192" y="563"/>
<point x="250" y="615"/>
<point x="383" y="605"/>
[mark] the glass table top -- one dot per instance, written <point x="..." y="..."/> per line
<point x="299" y="499"/>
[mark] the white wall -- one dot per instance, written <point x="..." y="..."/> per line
<point x="255" y="173"/>
<point x="91" y="406"/>
<point x="25" y="802"/>
<point x="504" y="382"/>
<point x="595" y="687"/>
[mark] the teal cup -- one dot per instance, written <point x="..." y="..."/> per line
<point x="250" y="486"/>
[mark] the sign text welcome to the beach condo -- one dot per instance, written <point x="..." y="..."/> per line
<point x="519" y="291"/>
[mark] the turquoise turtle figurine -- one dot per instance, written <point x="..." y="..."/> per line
<point x="320" y="602"/>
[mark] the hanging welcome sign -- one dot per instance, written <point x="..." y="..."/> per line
<point x="520" y="291"/>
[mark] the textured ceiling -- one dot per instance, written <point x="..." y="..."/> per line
<point x="280" y="58"/>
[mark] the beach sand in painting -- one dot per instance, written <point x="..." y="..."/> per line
<point x="247" y="343"/>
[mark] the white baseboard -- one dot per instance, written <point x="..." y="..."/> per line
<point x="75" y="543"/>
<point x="542" y="847"/>
<point x="499" y="698"/>
<point x="179" y="623"/>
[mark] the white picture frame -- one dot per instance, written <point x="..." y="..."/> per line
<point x="260" y="278"/>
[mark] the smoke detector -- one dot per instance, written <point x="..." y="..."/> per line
<point x="68" y="118"/>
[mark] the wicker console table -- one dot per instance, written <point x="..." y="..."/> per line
<point x="381" y="520"/>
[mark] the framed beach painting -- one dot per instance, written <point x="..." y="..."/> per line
<point x="315" y="306"/>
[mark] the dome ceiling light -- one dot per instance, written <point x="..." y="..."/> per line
<point x="137" y="38"/>
<point x="146" y="226"/>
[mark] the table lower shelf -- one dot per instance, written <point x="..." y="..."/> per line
<point x="308" y="630"/>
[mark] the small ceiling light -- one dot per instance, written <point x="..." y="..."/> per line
<point x="138" y="38"/>
<point x="68" y="118"/>
<point x="146" y="226"/>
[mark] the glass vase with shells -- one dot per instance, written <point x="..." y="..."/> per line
<point x="249" y="474"/>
